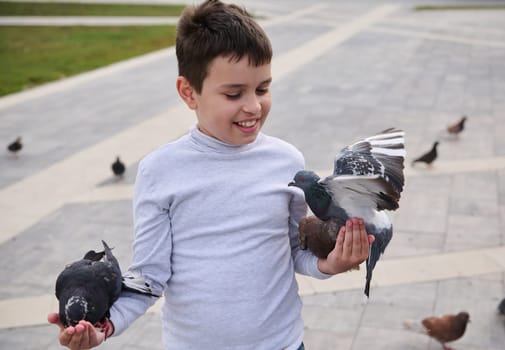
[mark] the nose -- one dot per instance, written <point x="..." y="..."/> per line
<point x="252" y="105"/>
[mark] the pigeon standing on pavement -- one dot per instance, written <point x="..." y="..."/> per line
<point x="444" y="329"/>
<point x="429" y="156"/>
<point x="15" y="146"/>
<point x="87" y="288"/>
<point x="367" y="179"/>
<point x="457" y="128"/>
<point x="118" y="167"/>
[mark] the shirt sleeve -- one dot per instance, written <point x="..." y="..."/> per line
<point x="152" y="249"/>
<point x="305" y="262"/>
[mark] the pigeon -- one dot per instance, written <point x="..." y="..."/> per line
<point x="444" y="329"/>
<point x="318" y="236"/>
<point x="15" y="146"/>
<point x="457" y="128"/>
<point x="87" y="288"/>
<point x="367" y="179"/>
<point x="501" y="307"/>
<point x="118" y="167"/>
<point x="429" y="156"/>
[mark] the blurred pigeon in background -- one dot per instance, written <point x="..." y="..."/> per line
<point x="15" y="146"/>
<point x="501" y="307"/>
<point x="367" y="179"/>
<point x="444" y="329"/>
<point x="86" y="289"/>
<point x="118" y="167"/>
<point x="429" y="156"/>
<point x="457" y="128"/>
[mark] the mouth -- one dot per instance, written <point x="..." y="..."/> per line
<point x="247" y="124"/>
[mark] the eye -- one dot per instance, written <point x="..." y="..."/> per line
<point x="301" y="179"/>
<point x="233" y="96"/>
<point x="262" y="91"/>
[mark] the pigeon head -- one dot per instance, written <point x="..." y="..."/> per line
<point x="76" y="310"/>
<point x="316" y="196"/>
<point x="304" y="180"/>
<point x="464" y="317"/>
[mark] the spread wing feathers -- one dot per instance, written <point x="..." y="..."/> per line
<point x="382" y="154"/>
<point x="364" y="191"/>
<point x="135" y="282"/>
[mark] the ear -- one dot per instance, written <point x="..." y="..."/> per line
<point x="186" y="92"/>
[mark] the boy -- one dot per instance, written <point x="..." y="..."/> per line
<point x="215" y="222"/>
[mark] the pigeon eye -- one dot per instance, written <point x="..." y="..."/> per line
<point x="302" y="179"/>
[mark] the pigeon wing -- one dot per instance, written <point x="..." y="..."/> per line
<point x="380" y="155"/>
<point x="362" y="191"/>
<point x="133" y="281"/>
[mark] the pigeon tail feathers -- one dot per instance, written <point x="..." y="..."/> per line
<point x="109" y="257"/>
<point x="378" y="247"/>
<point x="415" y="326"/>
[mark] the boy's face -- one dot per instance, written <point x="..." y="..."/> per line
<point x="235" y="100"/>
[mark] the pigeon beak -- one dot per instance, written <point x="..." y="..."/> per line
<point x="291" y="183"/>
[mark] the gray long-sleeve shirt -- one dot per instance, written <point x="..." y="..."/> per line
<point x="216" y="231"/>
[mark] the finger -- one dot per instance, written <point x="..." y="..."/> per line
<point x="86" y="334"/>
<point x="54" y="318"/>
<point x="365" y="246"/>
<point x="339" y="244"/>
<point x="75" y="340"/>
<point x="356" y="243"/>
<point x="66" y="335"/>
<point x="348" y="237"/>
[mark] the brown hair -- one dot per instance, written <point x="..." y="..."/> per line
<point x="214" y="29"/>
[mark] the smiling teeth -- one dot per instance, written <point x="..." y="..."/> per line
<point x="247" y="124"/>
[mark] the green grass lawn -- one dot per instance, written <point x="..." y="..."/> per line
<point x="460" y="7"/>
<point x="31" y="56"/>
<point x="86" y="9"/>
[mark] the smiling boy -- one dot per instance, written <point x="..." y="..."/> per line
<point x="215" y="221"/>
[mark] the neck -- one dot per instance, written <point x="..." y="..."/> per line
<point x="319" y="201"/>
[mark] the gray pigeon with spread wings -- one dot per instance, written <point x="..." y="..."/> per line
<point x="367" y="179"/>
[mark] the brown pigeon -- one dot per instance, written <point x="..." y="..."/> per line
<point x="457" y="128"/>
<point x="444" y="329"/>
<point x="318" y="236"/>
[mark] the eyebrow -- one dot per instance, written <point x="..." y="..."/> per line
<point x="234" y="86"/>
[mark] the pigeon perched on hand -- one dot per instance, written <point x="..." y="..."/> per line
<point x="319" y="236"/>
<point x="429" y="156"/>
<point x="444" y="329"/>
<point x="118" y="167"/>
<point x="15" y="146"/>
<point x="367" y="179"/>
<point x="87" y="288"/>
<point x="457" y="128"/>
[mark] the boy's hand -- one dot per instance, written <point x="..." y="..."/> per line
<point x="80" y="337"/>
<point x="351" y="248"/>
